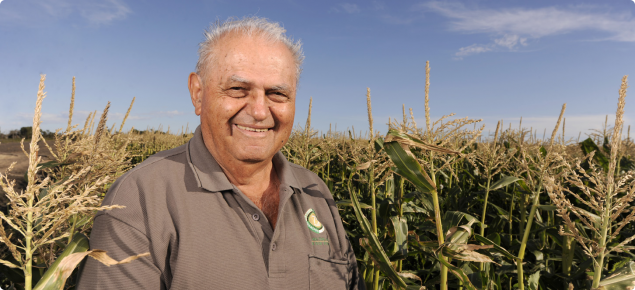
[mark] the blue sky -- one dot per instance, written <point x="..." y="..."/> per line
<point x="490" y="59"/>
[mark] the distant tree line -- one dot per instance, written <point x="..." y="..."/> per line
<point x="25" y="132"/>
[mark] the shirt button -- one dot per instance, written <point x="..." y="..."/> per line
<point x="256" y="217"/>
<point x="273" y="247"/>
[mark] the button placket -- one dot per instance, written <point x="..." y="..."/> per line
<point x="277" y="260"/>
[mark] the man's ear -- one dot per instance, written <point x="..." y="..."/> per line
<point x="196" y="92"/>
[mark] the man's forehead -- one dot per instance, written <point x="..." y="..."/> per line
<point x="239" y="55"/>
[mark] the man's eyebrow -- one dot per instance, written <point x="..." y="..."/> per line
<point x="280" y="88"/>
<point x="236" y="78"/>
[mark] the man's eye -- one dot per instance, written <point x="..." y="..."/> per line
<point x="236" y="92"/>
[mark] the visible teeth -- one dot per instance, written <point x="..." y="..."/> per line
<point x="251" y="129"/>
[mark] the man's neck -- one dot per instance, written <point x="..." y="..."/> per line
<point x="252" y="178"/>
<point x="258" y="181"/>
<point x="249" y="175"/>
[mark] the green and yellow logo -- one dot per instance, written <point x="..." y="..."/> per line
<point x="312" y="222"/>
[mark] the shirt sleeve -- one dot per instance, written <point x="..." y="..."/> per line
<point x="120" y="241"/>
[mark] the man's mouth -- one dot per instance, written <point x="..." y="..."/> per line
<point x="252" y="129"/>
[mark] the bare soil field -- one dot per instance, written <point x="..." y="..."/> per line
<point x="12" y="152"/>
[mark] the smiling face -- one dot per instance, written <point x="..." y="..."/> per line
<point x="247" y="102"/>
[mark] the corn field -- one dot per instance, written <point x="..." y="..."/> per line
<point x="426" y="206"/>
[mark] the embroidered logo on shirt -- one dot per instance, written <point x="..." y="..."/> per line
<point x="320" y="241"/>
<point x="312" y="222"/>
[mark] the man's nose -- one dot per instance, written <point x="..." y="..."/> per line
<point x="258" y="106"/>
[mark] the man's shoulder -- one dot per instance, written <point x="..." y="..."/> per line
<point x="303" y="175"/>
<point x="310" y="182"/>
<point x="160" y="161"/>
<point x="156" y="169"/>
<point x="156" y="159"/>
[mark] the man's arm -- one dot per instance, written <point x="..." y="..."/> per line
<point x="120" y="241"/>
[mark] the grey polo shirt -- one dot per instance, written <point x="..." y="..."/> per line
<point x="203" y="233"/>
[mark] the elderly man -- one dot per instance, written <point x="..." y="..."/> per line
<point x="227" y="210"/>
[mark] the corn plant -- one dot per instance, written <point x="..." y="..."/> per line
<point x="506" y="210"/>
<point x="59" y="201"/>
<point x="606" y="196"/>
<point x="43" y="208"/>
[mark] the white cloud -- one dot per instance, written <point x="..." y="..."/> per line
<point x="512" y="27"/>
<point x="56" y="8"/>
<point x="378" y="5"/>
<point x="37" y="13"/>
<point x="346" y="7"/>
<point x="103" y="11"/>
<point x="511" y="41"/>
<point x="472" y="49"/>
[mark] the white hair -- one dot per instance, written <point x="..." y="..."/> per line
<point x="271" y="31"/>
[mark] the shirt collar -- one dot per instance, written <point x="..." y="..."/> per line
<point x="210" y="176"/>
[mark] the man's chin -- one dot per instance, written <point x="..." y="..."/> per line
<point x="255" y="157"/>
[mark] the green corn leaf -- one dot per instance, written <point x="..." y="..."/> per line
<point x="597" y="221"/>
<point x="379" y="256"/>
<point x="581" y="229"/>
<point x="401" y="234"/>
<point x="348" y="202"/>
<point x="408" y="167"/>
<point x="83" y="221"/>
<point x="547" y="207"/>
<point x="411" y="207"/>
<point x="553" y="233"/>
<point x="453" y="219"/>
<point x="51" y="164"/>
<point x="589" y="146"/>
<point x="373" y="246"/>
<point x="495" y="237"/>
<point x="458" y="273"/>
<point x="582" y="267"/>
<point x="524" y="186"/>
<point x="501" y="211"/>
<point x="505" y="181"/>
<point x="425" y="199"/>
<point x="621" y="278"/>
<point x="619" y="265"/>
<point x="496" y="248"/>
<point x="458" y="235"/>
<point x="379" y="145"/>
<point x="53" y="279"/>
<point x="414" y="141"/>
<point x="606" y="145"/>
<point x="533" y="280"/>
